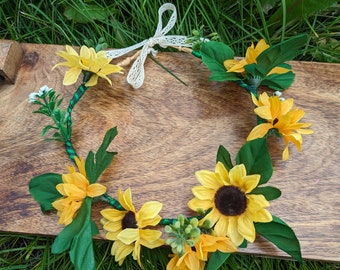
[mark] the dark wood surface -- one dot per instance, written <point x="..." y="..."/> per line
<point x="166" y="132"/>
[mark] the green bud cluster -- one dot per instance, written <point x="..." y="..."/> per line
<point x="182" y="231"/>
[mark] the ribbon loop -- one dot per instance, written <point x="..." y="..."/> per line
<point x="136" y="74"/>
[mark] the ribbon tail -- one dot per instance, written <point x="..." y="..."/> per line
<point x="135" y="76"/>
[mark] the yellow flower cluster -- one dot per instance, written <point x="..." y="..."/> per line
<point x="280" y="116"/>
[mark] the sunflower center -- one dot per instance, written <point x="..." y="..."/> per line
<point x="275" y="121"/>
<point x="129" y="221"/>
<point x="230" y="201"/>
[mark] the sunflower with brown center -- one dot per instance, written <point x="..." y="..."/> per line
<point x="233" y="210"/>
<point x="128" y="228"/>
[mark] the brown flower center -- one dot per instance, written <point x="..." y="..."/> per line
<point x="230" y="201"/>
<point x="129" y="221"/>
<point x="275" y="121"/>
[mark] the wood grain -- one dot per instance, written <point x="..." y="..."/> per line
<point x="166" y="132"/>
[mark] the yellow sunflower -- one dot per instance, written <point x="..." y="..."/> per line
<point x="233" y="209"/>
<point x="279" y="115"/>
<point x="87" y="60"/>
<point x="75" y="188"/>
<point x="128" y="228"/>
<point x="233" y="65"/>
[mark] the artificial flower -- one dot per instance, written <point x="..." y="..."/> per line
<point x="188" y="261"/>
<point x="280" y="116"/>
<point x="128" y="228"/>
<point x="211" y="243"/>
<point x="195" y="258"/>
<point x="233" y="65"/>
<point x="87" y="60"/>
<point x="75" y="188"/>
<point x="233" y="209"/>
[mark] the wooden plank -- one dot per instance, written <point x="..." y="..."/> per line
<point x="167" y="131"/>
<point x="10" y="59"/>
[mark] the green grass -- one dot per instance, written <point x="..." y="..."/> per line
<point x="33" y="252"/>
<point x="125" y="22"/>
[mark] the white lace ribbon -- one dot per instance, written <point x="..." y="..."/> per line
<point x="135" y="76"/>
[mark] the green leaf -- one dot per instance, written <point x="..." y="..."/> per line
<point x="77" y="236"/>
<point x="47" y="128"/>
<point x="224" y="157"/>
<point x="217" y="259"/>
<point x="298" y="10"/>
<point x="279" y="82"/>
<point x="97" y="163"/>
<point x="43" y="189"/>
<point x="280" y="53"/>
<point x="270" y="193"/>
<point x="213" y="55"/>
<point x="256" y="158"/>
<point x="81" y="253"/>
<point x="281" y="235"/>
<point x="86" y="13"/>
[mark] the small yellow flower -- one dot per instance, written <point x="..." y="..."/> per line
<point x="279" y="115"/>
<point x="211" y="243"/>
<point x="252" y="53"/>
<point x="233" y="209"/>
<point x="87" y="60"/>
<point x="75" y="188"/>
<point x="128" y="228"/>
<point x="196" y="258"/>
<point x="188" y="261"/>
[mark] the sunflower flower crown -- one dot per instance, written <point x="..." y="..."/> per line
<point x="231" y="201"/>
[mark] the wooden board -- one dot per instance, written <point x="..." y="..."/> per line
<point x="167" y="131"/>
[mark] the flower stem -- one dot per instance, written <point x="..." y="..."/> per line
<point x="75" y="98"/>
<point x="112" y="201"/>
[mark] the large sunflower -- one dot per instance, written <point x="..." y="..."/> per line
<point x="128" y="228"/>
<point x="75" y="188"/>
<point x="280" y="116"/>
<point x="233" y="209"/>
<point x="87" y="60"/>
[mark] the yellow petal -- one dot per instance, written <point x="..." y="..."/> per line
<point x="113" y="214"/>
<point x="278" y="70"/>
<point x="72" y="191"/>
<point x="128" y="235"/>
<point x="228" y="64"/>
<point x="259" y="131"/>
<point x="264" y="112"/>
<point x="92" y="81"/>
<point x="261" y="46"/>
<point x="71" y="76"/>
<point x="80" y="165"/>
<point x="203" y="193"/>
<point x="236" y="174"/>
<point x="148" y="214"/>
<point x="246" y="227"/>
<point x="150" y="238"/>
<point x="222" y="175"/>
<point x="120" y="251"/>
<point x="196" y="204"/>
<point x="250" y="182"/>
<point x="221" y="227"/>
<point x="125" y="199"/>
<point x="208" y="179"/>
<point x="95" y="190"/>
<point x="233" y="232"/>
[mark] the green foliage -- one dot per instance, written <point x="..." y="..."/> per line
<point x="124" y="23"/>
<point x="43" y="189"/>
<point x="213" y="55"/>
<point x="97" y="163"/>
<point x="270" y="193"/>
<point x="224" y="157"/>
<point x="278" y="54"/>
<point x="217" y="259"/>
<point x="280" y="234"/>
<point x="255" y="157"/>
<point x="77" y="236"/>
